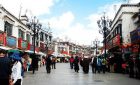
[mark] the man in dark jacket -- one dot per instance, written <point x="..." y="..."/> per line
<point x="94" y="64"/>
<point x="131" y="66"/>
<point x="48" y="63"/>
<point x="76" y="64"/>
<point x="5" y="68"/>
<point x="86" y="62"/>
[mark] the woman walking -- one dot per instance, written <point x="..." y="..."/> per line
<point x="16" y="69"/>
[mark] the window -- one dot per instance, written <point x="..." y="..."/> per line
<point x="46" y="37"/>
<point x="8" y="28"/>
<point x="41" y="36"/>
<point x="37" y="44"/>
<point x="28" y="38"/>
<point x="21" y="34"/>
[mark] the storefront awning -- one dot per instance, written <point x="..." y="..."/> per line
<point x="5" y="48"/>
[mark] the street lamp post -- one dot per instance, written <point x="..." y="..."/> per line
<point x="96" y="42"/>
<point x="48" y="44"/>
<point x="35" y="27"/>
<point x="104" y="24"/>
<point x="49" y="38"/>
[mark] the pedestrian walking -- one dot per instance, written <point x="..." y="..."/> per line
<point x="53" y="62"/>
<point x="48" y="63"/>
<point x="71" y="62"/>
<point x="131" y="66"/>
<point x="104" y="65"/>
<point x="99" y="64"/>
<point x="85" y="64"/>
<point x="5" y="68"/>
<point x="76" y="64"/>
<point x="16" y="75"/>
<point x="34" y="63"/>
<point x="94" y="65"/>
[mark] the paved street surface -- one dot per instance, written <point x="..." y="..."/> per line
<point x="63" y="75"/>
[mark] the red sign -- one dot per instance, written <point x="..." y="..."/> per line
<point x="42" y="47"/>
<point x="1" y="38"/>
<point x="116" y="40"/>
<point x="19" y="43"/>
<point x="4" y="39"/>
<point x="37" y="49"/>
<point x="28" y="46"/>
<point x="135" y="48"/>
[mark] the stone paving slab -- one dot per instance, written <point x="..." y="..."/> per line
<point x="63" y="75"/>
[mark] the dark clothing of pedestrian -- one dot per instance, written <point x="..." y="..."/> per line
<point x="48" y="64"/>
<point x="131" y="67"/>
<point x="138" y="67"/>
<point x="76" y="64"/>
<point x="99" y="65"/>
<point x="94" y="65"/>
<point x="18" y="82"/>
<point x="34" y="63"/>
<point x="53" y="63"/>
<point x="5" y="70"/>
<point x="85" y="64"/>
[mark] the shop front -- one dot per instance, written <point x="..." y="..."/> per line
<point x="135" y="40"/>
<point x="116" y="51"/>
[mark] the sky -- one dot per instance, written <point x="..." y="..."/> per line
<point x="70" y="20"/>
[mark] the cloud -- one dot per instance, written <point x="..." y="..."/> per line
<point x="62" y="22"/>
<point x="134" y="1"/>
<point x="34" y="7"/>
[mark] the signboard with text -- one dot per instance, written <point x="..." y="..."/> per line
<point x="11" y="41"/>
<point x="116" y="40"/>
<point x="24" y="44"/>
<point x="135" y="35"/>
<point x="42" y="47"/>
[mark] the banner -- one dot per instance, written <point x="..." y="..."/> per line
<point x="42" y="47"/>
<point x="135" y="35"/>
<point x="116" y="40"/>
<point x="24" y="45"/>
<point x="11" y="41"/>
<point x="1" y="38"/>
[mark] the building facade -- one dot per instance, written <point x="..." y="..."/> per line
<point x="18" y="34"/>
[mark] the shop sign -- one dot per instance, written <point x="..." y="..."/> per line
<point x="135" y="35"/>
<point x="32" y="47"/>
<point x="116" y="40"/>
<point x="11" y="41"/>
<point x="135" y="48"/>
<point x="28" y="46"/>
<point x="23" y="44"/>
<point x="42" y="47"/>
<point x="37" y="49"/>
<point x="1" y="38"/>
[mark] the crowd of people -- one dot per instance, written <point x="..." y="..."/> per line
<point x="113" y="64"/>
<point x="12" y="65"/>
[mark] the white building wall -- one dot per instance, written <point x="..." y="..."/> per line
<point x="127" y="27"/>
<point x="132" y="9"/>
<point x="1" y="21"/>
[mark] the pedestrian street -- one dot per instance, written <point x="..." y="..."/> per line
<point x="63" y="75"/>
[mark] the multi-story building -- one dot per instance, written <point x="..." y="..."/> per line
<point x="119" y="37"/>
<point x="123" y="38"/>
<point x="18" y="34"/>
<point x="67" y="49"/>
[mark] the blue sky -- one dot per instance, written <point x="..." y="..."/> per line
<point x="71" y="20"/>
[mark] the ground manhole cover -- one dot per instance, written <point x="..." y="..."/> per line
<point x="98" y="81"/>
